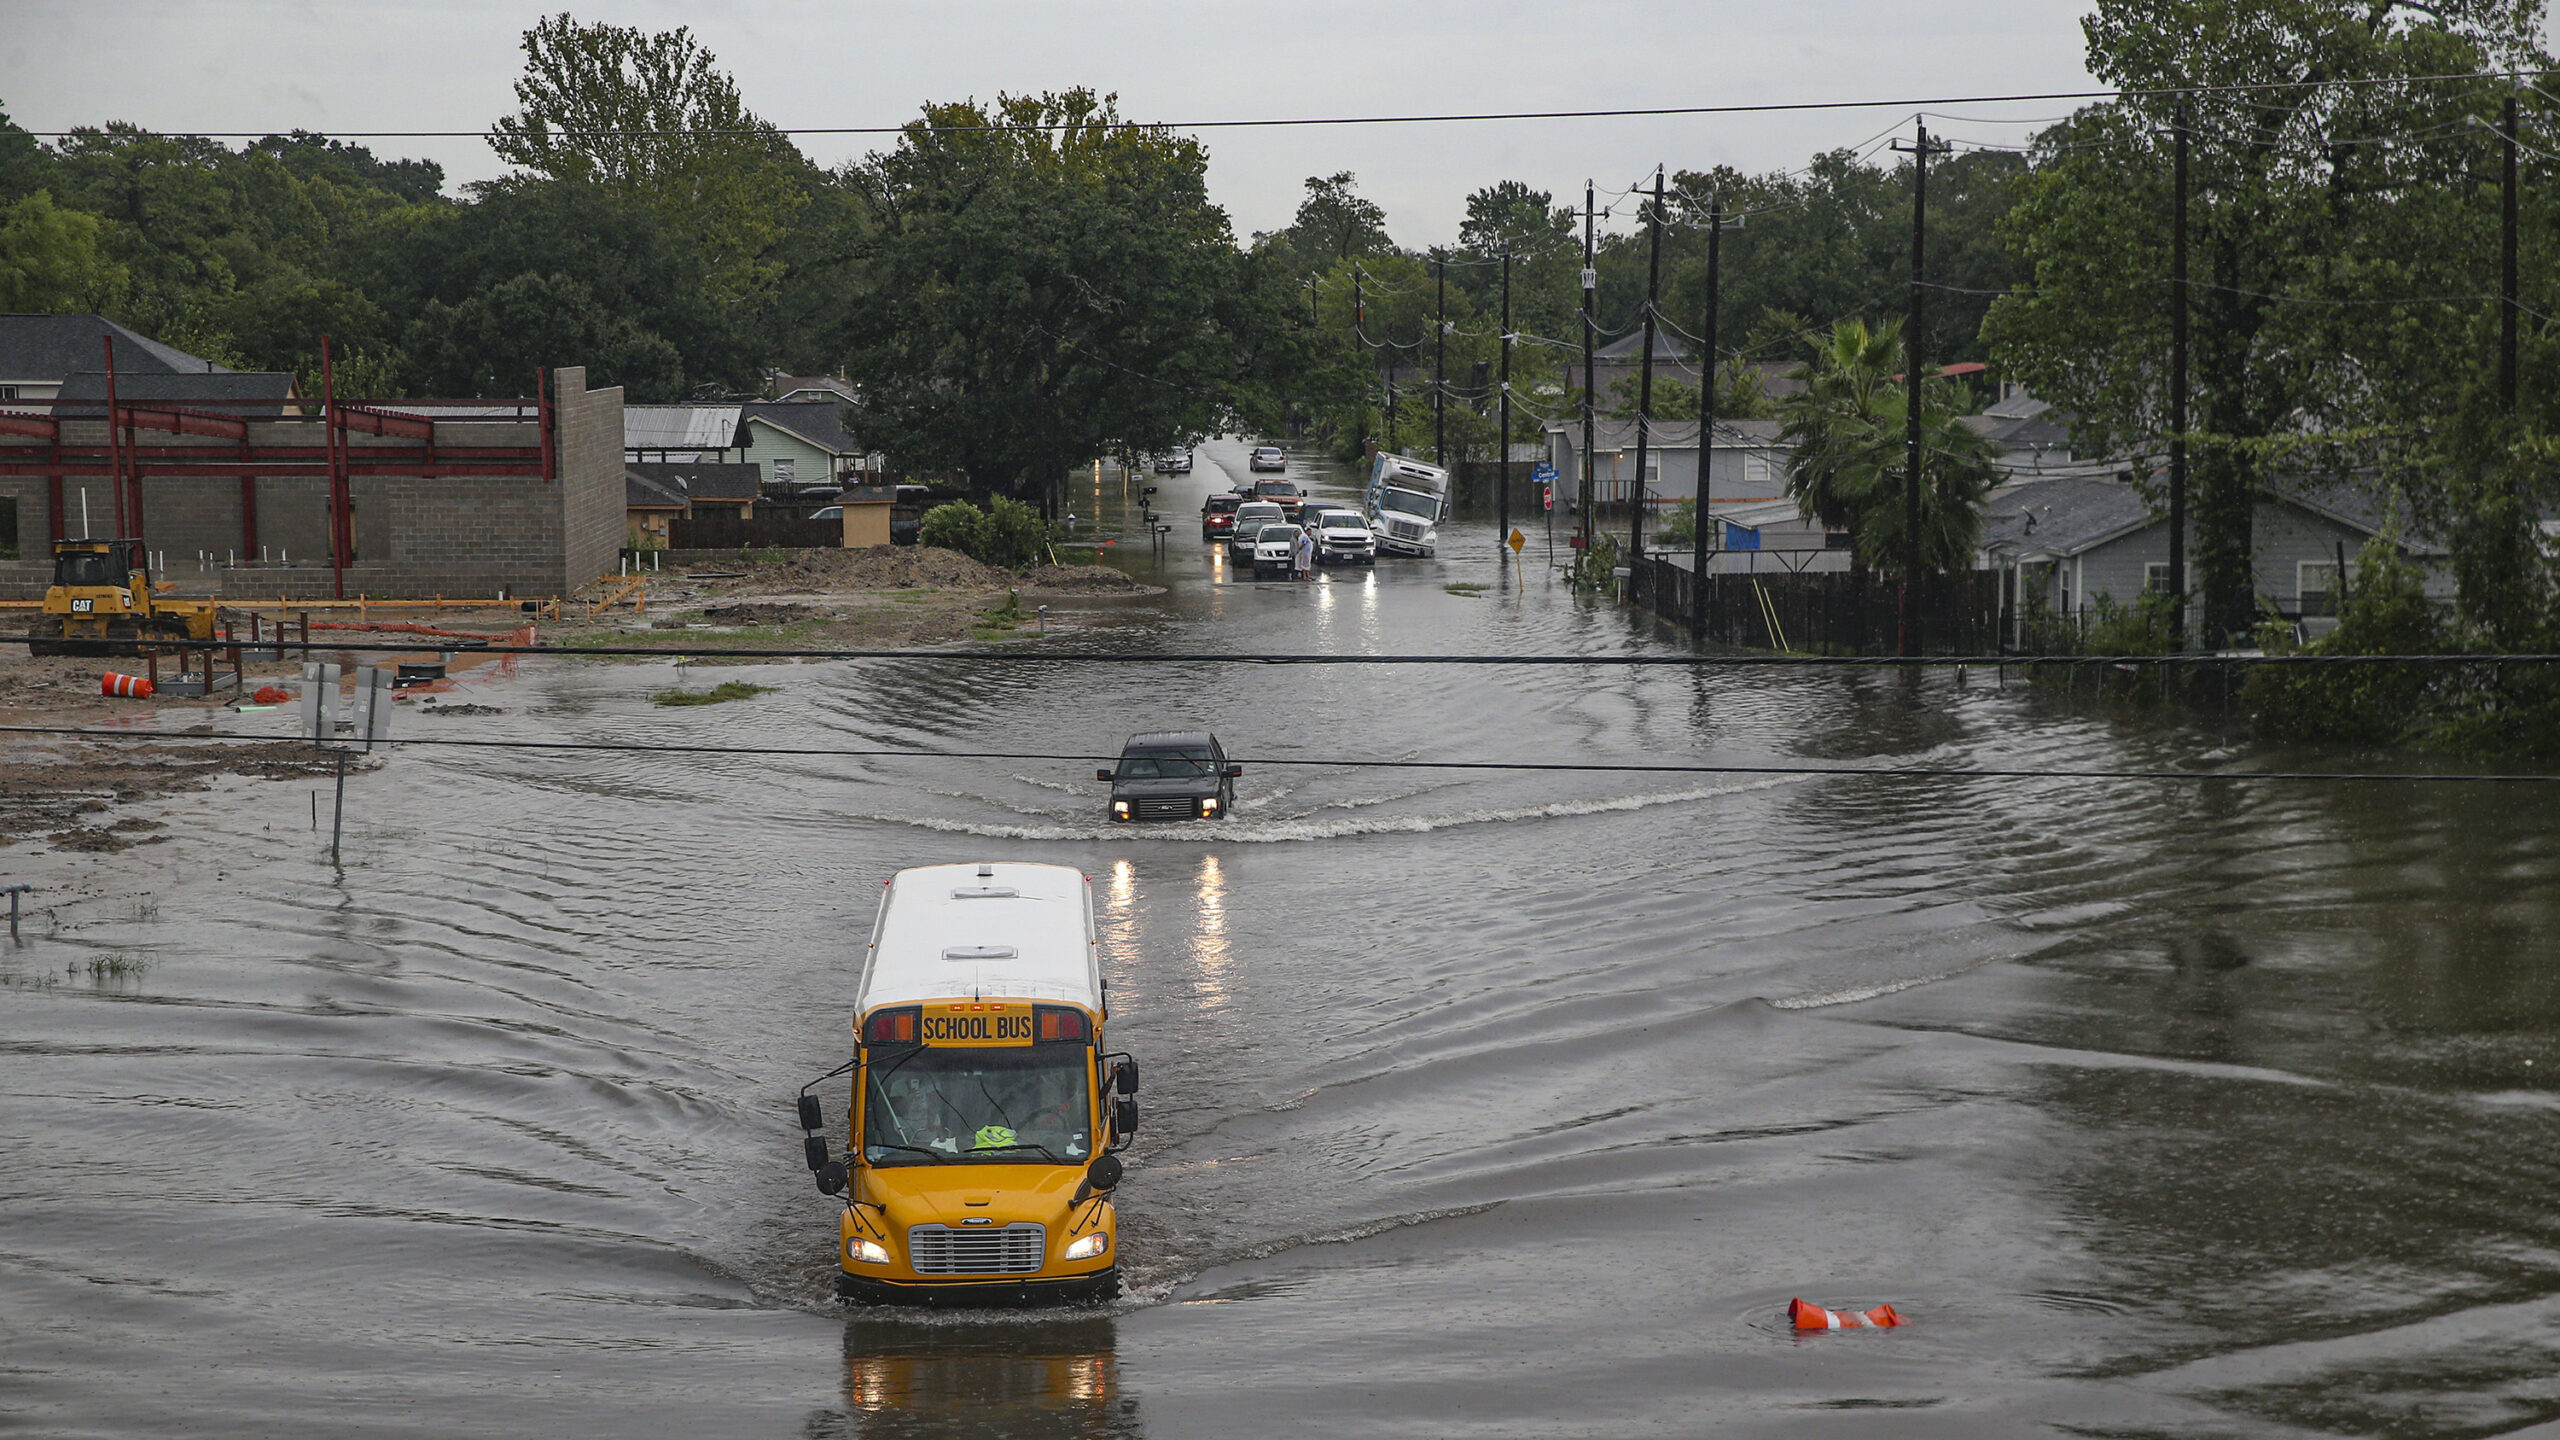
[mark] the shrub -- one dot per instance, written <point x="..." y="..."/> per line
<point x="1007" y="534"/>
<point x="955" y="525"/>
<point x="2386" y="613"/>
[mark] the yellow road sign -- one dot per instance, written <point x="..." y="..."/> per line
<point x="1517" y="540"/>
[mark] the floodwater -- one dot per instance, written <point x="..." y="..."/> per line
<point x="1478" y="1103"/>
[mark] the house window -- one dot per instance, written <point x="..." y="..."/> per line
<point x="8" y="528"/>
<point x="8" y="392"/>
<point x="2316" y="583"/>
<point x="2155" y="577"/>
<point x="785" y="472"/>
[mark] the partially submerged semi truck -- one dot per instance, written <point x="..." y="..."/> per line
<point x="977" y="1163"/>
<point x="1406" y="501"/>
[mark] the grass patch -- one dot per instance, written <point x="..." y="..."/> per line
<point x="726" y="690"/>
<point x="1466" y="588"/>
<point x="115" y="966"/>
<point x="1002" y="621"/>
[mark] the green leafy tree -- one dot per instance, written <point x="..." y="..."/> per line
<point x="2327" y="221"/>
<point x="652" y="115"/>
<point x="51" y="259"/>
<point x="1847" y="429"/>
<point x="1335" y="222"/>
<point x="1044" y="285"/>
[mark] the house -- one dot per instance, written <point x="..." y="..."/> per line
<point x="798" y="444"/>
<point x="2033" y="438"/>
<point x="37" y="352"/>
<point x="239" y="394"/>
<point x="649" y="502"/>
<point x="790" y="388"/>
<point x="1772" y="537"/>
<point x="2067" y="541"/>
<point x="664" y="434"/>
<point x="1747" y="464"/>
<point x="703" y="487"/>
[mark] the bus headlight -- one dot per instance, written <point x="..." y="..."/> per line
<point x="866" y="1252"/>
<point x="1086" y="1248"/>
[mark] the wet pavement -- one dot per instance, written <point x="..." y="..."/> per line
<point x="1478" y="1103"/>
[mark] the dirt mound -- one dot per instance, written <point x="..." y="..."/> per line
<point x="1084" y="579"/>
<point x="460" y="710"/>
<point x="758" y="614"/>
<point x="876" y="567"/>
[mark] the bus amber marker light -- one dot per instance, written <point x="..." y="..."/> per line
<point x="1809" y="1316"/>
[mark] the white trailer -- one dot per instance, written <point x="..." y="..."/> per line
<point x="1406" y="501"/>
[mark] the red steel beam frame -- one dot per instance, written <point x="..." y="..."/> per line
<point x="329" y="420"/>
<point x="115" y="454"/>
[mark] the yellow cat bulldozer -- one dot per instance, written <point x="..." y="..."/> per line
<point x="102" y="603"/>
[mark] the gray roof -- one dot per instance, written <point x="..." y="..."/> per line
<point x="2041" y="429"/>
<point x="679" y="427"/>
<point x="2068" y="516"/>
<point x="644" y="491"/>
<point x="1629" y="348"/>
<point x="819" y="386"/>
<point x="242" y="394"/>
<point x="700" y="479"/>
<point x="820" y="422"/>
<point x="43" y="349"/>
<point x="2357" y="507"/>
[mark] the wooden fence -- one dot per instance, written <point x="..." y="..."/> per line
<point x="715" y="530"/>
<point x="1855" y="613"/>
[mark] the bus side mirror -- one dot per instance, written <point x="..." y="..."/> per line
<point x="1124" y="1117"/>
<point x="1103" y="775"/>
<point x="811" y="1117"/>
<point x="815" y="1147"/>
<point x="1125" y="1079"/>
<point x="831" y="1178"/>
<point x="1103" y="1174"/>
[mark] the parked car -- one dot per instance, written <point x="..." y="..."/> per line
<point x="831" y="512"/>
<point x="1174" y="462"/>
<point x="1172" y="775"/>
<point x="1218" y="516"/>
<point x="1342" y="537"/>
<point x="1249" y="520"/>
<point x="1283" y="493"/>
<point x="1268" y="457"/>
<point x="1275" y="551"/>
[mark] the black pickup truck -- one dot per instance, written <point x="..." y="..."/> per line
<point x="1172" y="775"/>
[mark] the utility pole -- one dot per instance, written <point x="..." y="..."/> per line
<point x="1707" y="357"/>
<point x="1644" y="381"/>
<point x="2178" y="384"/>
<point x="1360" y="341"/>
<point x="1590" y="427"/>
<point x="1502" y="438"/>
<point x="1911" y="354"/>
<point x="1440" y="365"/>
<point x="2507" y="261"/>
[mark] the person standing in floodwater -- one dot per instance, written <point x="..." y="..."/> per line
<point x="1305" y="553"/>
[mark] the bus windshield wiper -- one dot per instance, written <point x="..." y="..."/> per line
<point x="915" y="1149"/>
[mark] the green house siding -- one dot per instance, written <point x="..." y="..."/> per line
<point x="806" y="464"/>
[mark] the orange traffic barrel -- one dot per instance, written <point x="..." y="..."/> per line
<point x="1808" y="1316"/>
<point x="132" y="687"/>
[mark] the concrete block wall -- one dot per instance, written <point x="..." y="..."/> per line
<point x="416" y="535"/>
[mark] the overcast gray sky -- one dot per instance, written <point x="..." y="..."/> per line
<point x="353" y="65"/>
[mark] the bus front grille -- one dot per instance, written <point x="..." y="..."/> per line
<point x="977" y="1250"/>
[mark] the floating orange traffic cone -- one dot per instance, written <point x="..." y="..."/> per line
<point x="1809" y="1316"/>
<point x="124" y="686"/>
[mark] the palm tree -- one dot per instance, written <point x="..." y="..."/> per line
<point x="1847" y="432"/>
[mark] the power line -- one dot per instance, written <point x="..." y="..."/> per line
<point x="1881" y="772"/>
<point x="1450" y="117"/>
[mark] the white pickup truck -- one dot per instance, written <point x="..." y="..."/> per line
<point x="1406" y="500"/>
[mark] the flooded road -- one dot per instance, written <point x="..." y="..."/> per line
<point x="1478" y="1103"/>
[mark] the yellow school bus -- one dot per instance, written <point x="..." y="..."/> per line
<point x="984" y="1109"/>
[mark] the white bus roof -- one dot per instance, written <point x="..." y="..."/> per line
<point x="957" y="931"/>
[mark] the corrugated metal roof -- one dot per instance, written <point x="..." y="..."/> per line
<point x="679" y="427"/>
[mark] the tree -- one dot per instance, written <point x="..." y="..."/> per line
<point x="495" y="341"/>
<point x="51" y="260"/>
<point x="653" y="116"/>
<point x="1847" y="429"/>
<point x="1335" y="223"/>
<point x="1043" y="286"/>
<point x="2327" y="221"/>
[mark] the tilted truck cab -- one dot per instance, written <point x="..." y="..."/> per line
<point x="983" y="1105"/>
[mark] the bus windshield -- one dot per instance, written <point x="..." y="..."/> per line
<point x="944" y="1105"/>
